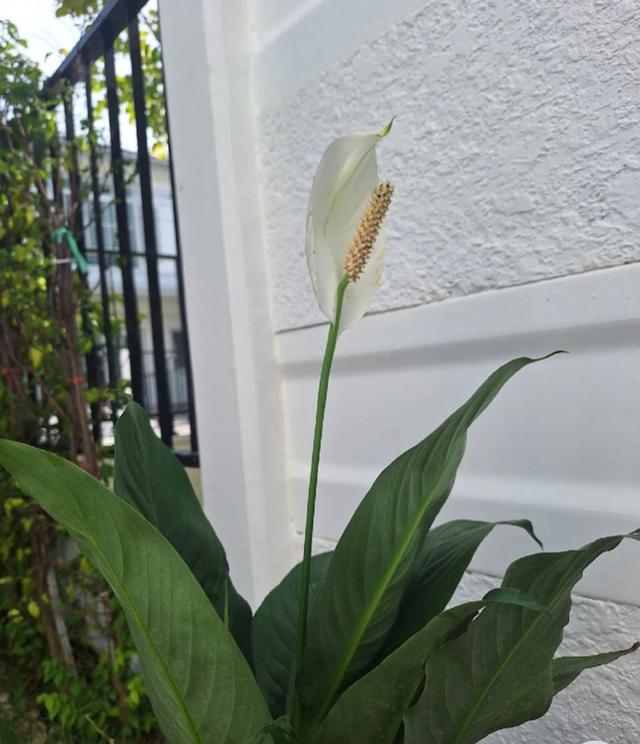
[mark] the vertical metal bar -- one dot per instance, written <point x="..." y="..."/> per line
<point x="112" y="367"/>
<point x="74" y="170"/>
<point x="56" y="182"/>
<point x="124" y="240"/>
<point x="183" y="310"/>
<point x="46" y="252"/>
<point x="165" y="414"/>
<point x="78" y="231"/>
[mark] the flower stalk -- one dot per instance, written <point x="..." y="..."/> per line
<point x="345" y="255"/>
<point x="321" y="404"/>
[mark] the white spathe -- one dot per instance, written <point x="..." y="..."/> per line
<point x="343" y="184"/>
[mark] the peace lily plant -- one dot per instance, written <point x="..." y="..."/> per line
<point x="358" y="645"/>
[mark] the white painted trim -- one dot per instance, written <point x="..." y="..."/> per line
<point x="207" y="62"/>
<point x="559" y="445"/>
<point x="553" y="306"/>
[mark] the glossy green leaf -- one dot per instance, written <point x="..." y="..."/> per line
<point x="566" y="669"/>
<point x="499" y="673"/>
<point x="200" y="685"/>
<point x="372" y="562"/>
<point x="274" y="632"/>
<point x="437" y="570"/>
<point x="149" y="477"/>
<point x="371" y="709"/>
<point x="516" y="597"/>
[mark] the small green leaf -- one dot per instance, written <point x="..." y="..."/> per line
<point x="566" y="669"/>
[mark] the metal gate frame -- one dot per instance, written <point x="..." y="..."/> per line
<point x="98" y="42"/>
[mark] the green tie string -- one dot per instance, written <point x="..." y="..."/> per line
<point x="63" y="233"/>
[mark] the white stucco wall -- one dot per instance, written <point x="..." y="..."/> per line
<point x="516" y="158"/>
<point x="515" y="154"/>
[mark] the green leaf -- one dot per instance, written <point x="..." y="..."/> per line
<point x="499" y="673"/>
<point x="371" y="709"/>
<point x="566" y="669"/>
<point x="517" y="597"/>
<point x="274" y="632"/>
<point x="149" y="477"/>
<point x="438" y="568"/>
<point x="372" y="562"/>
<point x="200" y="685"/>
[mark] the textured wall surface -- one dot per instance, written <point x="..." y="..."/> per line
<point x="516" y="152"/>
<point x="603" y="703"/>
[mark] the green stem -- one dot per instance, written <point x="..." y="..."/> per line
<point x="313" y="484"/>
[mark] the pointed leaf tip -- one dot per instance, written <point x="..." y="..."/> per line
<point x="556" y="352"/>
<point x="548" y="356"/>
<point x="568" y="668"/>
<point x="526" y="525"/>
<point x="385" y="130"/>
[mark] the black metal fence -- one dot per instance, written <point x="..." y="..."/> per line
<point x="127" y="267"/>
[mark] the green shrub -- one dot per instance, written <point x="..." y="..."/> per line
<point x="65" y="651"/>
